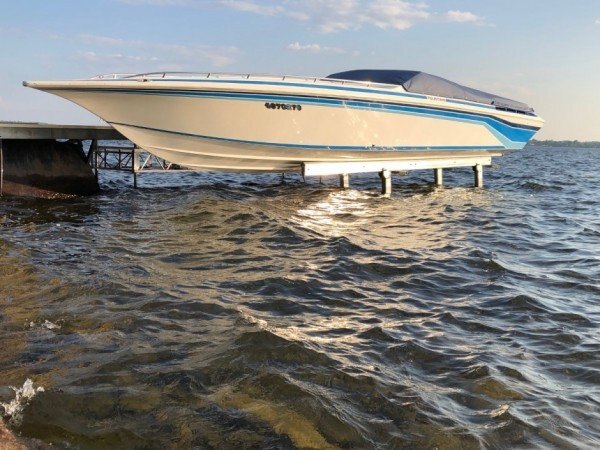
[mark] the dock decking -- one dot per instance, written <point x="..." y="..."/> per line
<point x="35" y="130"/>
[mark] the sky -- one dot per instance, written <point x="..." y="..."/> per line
<point x="545" y="53"/>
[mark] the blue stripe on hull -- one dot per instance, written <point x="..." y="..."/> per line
<point x="320" y="86"/>
<point x="510" y="135"/>
<point x="311" y="147"/>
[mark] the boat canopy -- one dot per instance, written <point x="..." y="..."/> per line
<point x="424" y="83"/>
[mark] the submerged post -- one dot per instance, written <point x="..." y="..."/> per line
<point x="386" y="182"/>
<point x="478" y="173"/>
<point x="439" y="177"/>
<point x="344" y="181"/>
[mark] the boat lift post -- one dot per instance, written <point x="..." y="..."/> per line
<point x="344" y="181"/>
<point x="438" y="162"/>
<point x="386" y="182"/>
<point x="478" y="173"/>
<point x="135" y="165"/>
<point x="439" y="176"/>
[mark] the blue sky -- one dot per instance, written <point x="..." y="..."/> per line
<point x="543" y="52"/>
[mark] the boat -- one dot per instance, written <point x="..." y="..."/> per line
<point x="266" y="123"/>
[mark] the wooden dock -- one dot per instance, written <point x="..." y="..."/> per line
<point x="34" y="163"/>
<point x="29" y="138"/>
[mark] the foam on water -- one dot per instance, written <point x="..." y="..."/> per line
<point x="13" y="410"/>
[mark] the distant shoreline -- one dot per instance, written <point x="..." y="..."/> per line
<point x="575" y="143"/>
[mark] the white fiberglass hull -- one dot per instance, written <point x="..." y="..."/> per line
<point x="236" y="125"/>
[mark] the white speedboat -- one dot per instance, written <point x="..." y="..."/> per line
<point x="276" y="123"/>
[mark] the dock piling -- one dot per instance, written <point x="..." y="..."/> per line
<point x="344" y="181"/>
<point x="478" y="174"/>
<point x="386" y="181"/>
<point x="439" y="176"/>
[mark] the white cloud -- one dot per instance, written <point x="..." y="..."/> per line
<point x="399" y="15"/>
<point x="101" y="40"/>
<point x="313" y="48"/>
<point x="162" y="56"/>
<point x="158" y="2"/>
<point x="330" y="16"/>
<point x="597" y="21"/>
<point x="462" y="17"/>
<point x="248" y="6"/>
<point x="115" y="58"/>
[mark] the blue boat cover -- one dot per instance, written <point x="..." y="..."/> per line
<point x="424" y="83"/>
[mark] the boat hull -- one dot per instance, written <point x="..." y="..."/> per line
<point x="277" y="128"/>
<point x="209" y="155"/>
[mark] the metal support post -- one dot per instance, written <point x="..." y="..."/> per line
<point x="1" y="169"/>
<point x="135" y="165"/>
<point x="95" y="159"/>
<point x="91" y="151"/>
<point x="344" y="181"/>
<point x="386" y="182"/>
<point x="478" y="173"/>
<point x="439" y="177"/>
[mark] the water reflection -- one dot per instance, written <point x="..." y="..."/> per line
<point x="410" y="221"/>
<point x="238" y="312"/>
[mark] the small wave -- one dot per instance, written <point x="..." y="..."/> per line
<point x="538" y="187"/>
<point x="495" y="389"/>
<point x="499" y="411"/>
<point x="414" y="353"/>
<point x="573" y="318"/>
<point x="512" y="373"/>
<point x="526" y="303"/>
<point x="376" y="335"/>
<point x="475" y="372"/>
<point x="13" y="410"/>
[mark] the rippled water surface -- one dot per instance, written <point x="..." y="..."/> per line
<point x="231" y="311"/>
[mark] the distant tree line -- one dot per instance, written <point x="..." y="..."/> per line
<point x="575" y="143"/>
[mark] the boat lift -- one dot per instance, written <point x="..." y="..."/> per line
<point x="126" y="158"/>
<point x="135" y="160"/>
<point x="436" y="161"/>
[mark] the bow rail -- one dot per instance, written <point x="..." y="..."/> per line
<point x="175" y="76"/>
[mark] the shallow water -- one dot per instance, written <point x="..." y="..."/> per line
<point x="230" y="311"/>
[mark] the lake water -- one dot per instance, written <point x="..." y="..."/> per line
<point x="231" y="311"/>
